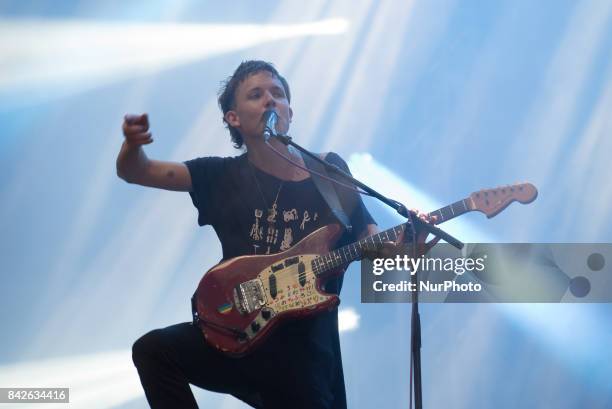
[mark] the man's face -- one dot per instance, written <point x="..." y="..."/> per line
<point x="256" y="94"/>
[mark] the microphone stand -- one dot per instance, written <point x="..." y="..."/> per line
<point x="415" y="327"/>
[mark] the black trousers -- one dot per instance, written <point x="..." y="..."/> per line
<point x="288" y="371"/>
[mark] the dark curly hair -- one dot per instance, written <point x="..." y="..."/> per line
<point x="227" y="93"/>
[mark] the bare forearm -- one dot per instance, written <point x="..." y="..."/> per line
<point x="132" y="163"/>
<point x="134" y="166"/>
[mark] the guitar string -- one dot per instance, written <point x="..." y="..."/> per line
<point x="328" y="265"/>
<point x="324" y="264"/>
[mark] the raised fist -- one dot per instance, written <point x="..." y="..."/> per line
<point x="136" y="130"/>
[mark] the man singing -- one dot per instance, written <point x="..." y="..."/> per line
<point x="257" y="203"/>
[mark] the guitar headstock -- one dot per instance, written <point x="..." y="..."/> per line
<point x="493" y="201"/>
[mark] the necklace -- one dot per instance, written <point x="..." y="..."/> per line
<point x="271" y="210"/>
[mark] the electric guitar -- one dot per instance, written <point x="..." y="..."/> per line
<point x="240" y="301"/>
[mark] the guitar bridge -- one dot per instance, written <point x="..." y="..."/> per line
<point x="249" y="296"/>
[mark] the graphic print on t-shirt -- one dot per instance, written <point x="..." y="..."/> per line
<point x="277" y="229"/>
<point x="257" y="231"/>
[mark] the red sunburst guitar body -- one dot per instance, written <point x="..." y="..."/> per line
<point x="240" y="301"/>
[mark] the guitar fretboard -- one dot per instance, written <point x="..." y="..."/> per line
<point x="451" y="211"/>
<point x="354" y="251"/>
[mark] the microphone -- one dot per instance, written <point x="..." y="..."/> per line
<point x="269" y="118"/>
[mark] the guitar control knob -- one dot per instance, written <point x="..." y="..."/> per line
<point x="255" y="326"/>
<point x="266" y="314"/>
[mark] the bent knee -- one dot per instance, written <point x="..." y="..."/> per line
<point x="146" y="347"/>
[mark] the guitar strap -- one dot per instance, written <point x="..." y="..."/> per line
<point x="327" y="190"/>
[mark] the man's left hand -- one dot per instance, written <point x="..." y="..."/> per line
<point x="390" y="249"/>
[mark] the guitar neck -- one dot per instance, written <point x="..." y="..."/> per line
<point x="488" y="201"/>
<point x="354" y="251"/>
<point x="453" y="210"/>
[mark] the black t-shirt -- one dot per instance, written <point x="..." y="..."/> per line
<point x="253" y="212"/>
